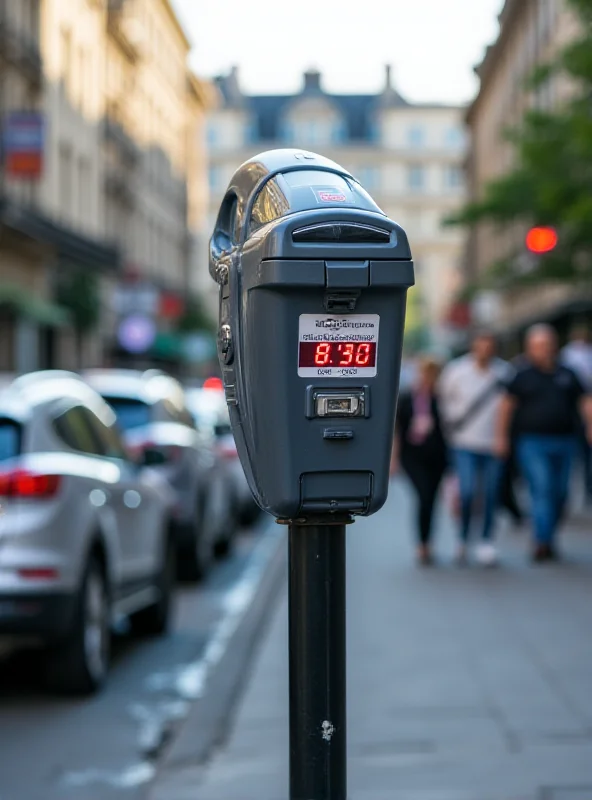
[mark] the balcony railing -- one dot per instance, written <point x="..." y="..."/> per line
<point x="117" y="185"/>
<point x="69" y="244"/>
<point x="124" y="29"/>
<point x="114" y="132"/>
<point x="21" y="50"/>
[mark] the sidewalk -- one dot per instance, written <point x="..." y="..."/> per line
<point x="464" y="684"/>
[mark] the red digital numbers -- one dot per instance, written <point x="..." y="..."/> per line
<point x="322" y="354"/>
<point x="337" y="354"/>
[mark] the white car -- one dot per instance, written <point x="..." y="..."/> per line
<point x="209" y="409"/>
<point x="152" y="413"/>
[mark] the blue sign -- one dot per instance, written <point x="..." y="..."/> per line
<point x="23" y="143"/>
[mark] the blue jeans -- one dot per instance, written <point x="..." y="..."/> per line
<point x="546" y="462"/>
<point x="478" y="472"/>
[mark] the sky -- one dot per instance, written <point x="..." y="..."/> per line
<point x="432" y="45"/>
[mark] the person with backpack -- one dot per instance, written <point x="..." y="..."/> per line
<point x="471" y="390"/>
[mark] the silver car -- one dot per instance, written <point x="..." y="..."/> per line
<point x="156" y="423"/>
<point x="208" y="406"/>
<point x="85" y="535"/>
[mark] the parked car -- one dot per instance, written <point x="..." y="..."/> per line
<point x="85" y="535"/>
<point x="208" y="406"/>
<point x="152" y="412"/>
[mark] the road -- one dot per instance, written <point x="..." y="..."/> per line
<point x="106" y="746"/>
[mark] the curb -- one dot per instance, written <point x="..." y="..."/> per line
<point x="211" y="717"/>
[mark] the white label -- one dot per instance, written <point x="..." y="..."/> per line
<point x="338" y="345"/>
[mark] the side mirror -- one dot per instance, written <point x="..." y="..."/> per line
<point x="153" y="458"/>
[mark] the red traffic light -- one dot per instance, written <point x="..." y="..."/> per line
<point x="541" y="240"/>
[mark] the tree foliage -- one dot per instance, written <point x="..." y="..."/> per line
<point x="79" y="293"/>
<point x="195" y="318"/>
<point x="551" y="183"/>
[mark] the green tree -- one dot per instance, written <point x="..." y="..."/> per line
<point x="551" y="183"/>
<point x="79" y="292"/>
<point x="195" y="318"/>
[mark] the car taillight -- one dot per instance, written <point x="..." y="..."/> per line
<point x="28" y="484"/>
<point x="214" y="384"/>
<point x="38" y="573"/>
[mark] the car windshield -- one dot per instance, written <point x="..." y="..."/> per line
<point x="10" y="439"/>
<point x="130" y="413"/>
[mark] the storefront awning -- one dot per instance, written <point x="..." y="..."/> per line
<point x="22" y="303"/>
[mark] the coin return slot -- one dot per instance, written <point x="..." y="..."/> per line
<point x="339" y="405"/>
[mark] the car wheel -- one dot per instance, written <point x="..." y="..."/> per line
<point x="195" y="552"/>
<point x="224" y="544"/>
<point x="250" y="513"/>
<point x="154" y="619"/>
<point x="79" y="664"/>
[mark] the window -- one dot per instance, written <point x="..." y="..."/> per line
<point x="287" y="132"/>
<point x="454" y="138"/>
<point x="84" y="204"/>
<point x="416" y="136"/>
<point x="130" y="413"/>
<point x="75" y="432"/>
<point x="107" y="438"/>
<point x="251" y="133"/>
<point x="416" y="177"/>
<point x="216" y="177"/>
<point x="369" y="177"/>
<point x="339" y="132"/>
<point x="65" y="178"/>
<point x="453" y="177"/>
<point x="271" y="203"/>
<point x="212" y="135"/>
<point x="66" y="56"/>
<point x="10" y="439"/>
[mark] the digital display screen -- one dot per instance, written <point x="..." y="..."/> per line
<point x="337" y="354"/>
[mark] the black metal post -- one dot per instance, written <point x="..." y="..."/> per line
<point x="318" y="768"/>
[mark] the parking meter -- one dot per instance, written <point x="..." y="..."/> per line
<point x="313" y="280"/>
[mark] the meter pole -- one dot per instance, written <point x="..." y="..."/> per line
<point x="318" y="769"/>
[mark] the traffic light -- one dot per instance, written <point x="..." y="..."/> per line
<point x="541" y="240"/>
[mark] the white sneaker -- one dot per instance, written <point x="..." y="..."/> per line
<point x="486" y="554"/>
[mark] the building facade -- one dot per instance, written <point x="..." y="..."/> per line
<point x="99" y="226"/>
<point x="50" y="191"/>
<point x="408" y="156"/>
<point x="155" y="166"/>
<point x="531" y="33"/>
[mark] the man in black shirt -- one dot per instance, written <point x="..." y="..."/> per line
<point x="543" y="403"/>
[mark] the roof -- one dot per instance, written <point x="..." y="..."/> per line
<point x="177" y="23"/>
<point x="357" y="110"/>
<point x="493" y="52"/>
<point x="26" y="392"/>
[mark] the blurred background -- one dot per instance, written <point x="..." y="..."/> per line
<point x="121" y="124"/>
<point x="118" y="141"/>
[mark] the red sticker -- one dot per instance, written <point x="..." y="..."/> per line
<point x="331" y="196"/>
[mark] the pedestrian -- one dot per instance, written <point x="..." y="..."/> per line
<point x="471" y="389"/>
<point x="420" y="449"/>
<point x="510" y="471"/>
<point x="577" y="355"/>
<point x="544" y="401"/>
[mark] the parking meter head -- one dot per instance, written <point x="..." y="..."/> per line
<point x="313" y="279"/>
